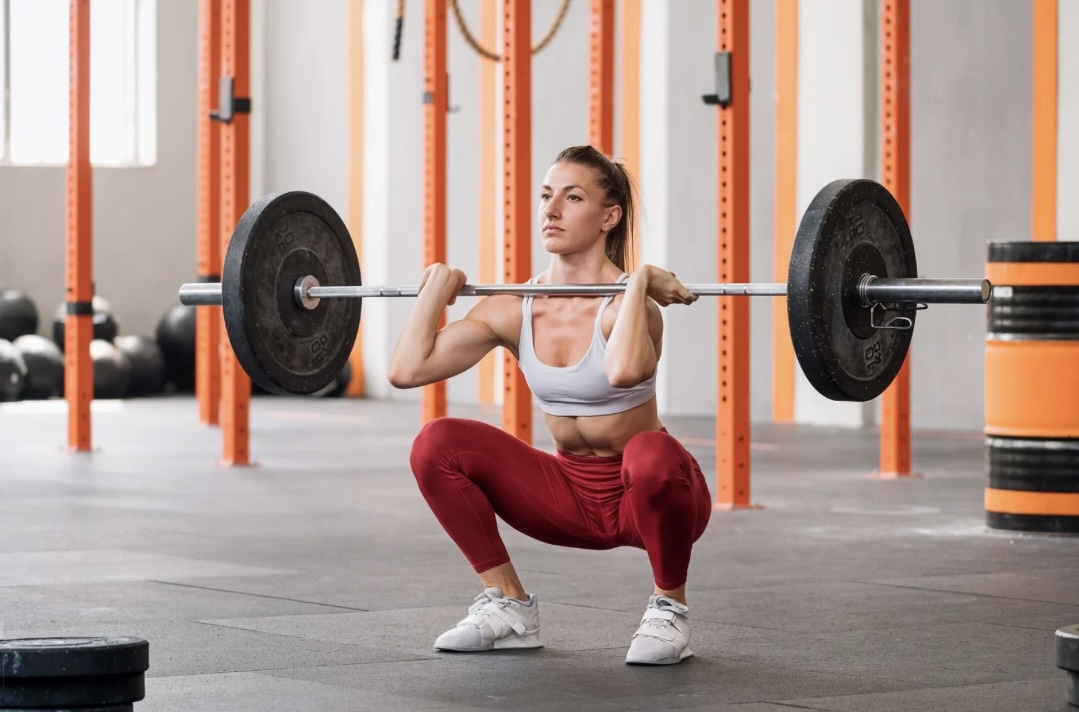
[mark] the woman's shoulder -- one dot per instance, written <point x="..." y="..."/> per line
<point x="502" y="312"/>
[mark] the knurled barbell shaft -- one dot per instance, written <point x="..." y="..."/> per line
<point x="870" y="290"/>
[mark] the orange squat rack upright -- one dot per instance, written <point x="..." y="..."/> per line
<point x="79" y="326"/>
<point x="517" y="167"/>
<point x="732" y="399"/>
<point x="1043" y="208"/>
<point x="208" y="320"/>
<point x="434" y="167"/>
<point x="601" y="77"/>
<point x="895" y="172"/>
<point x="235" y="169"/>
<point x="786" y="203"/>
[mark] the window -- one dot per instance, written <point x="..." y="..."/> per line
<point x="123" y="95"/>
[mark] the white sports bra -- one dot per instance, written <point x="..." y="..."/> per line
<point x="580" y="389"/>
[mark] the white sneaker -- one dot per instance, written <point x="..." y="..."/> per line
<point x="494" y="622"/>
<point x="663" y="638"/>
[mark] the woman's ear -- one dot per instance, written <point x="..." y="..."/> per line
<point x="610" y="220"/>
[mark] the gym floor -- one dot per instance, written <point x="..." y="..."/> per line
<point x="318" y="579"/>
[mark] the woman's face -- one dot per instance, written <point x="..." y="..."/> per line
<point x="572" y="213"/>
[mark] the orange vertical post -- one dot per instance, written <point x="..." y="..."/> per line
<point x="517" y="167"/>
<point x="487" y="138"/>
<point x="235" y="175"/>
<point x="601" y="76"/>
<point x="732" y="418"/>
<point x="208" y="320"/>
<point x="895" y="175"/>
<point x="629" y="114"/>
<point x="355" y="166"/>
<point x="786" y="202"/>
<point x="1044" y="146"/>
<point x="79" y="325"/>
<point x="434" y="210"/>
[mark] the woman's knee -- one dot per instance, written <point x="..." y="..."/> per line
<point x="433" y="448"/>
<point x="655" y="461"/>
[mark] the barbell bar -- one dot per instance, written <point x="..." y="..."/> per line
<point x="871" y="290"/>
<point x="291" y="291"/>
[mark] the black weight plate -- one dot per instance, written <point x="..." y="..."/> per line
<point x="53" y="692"/>
<point x="1067" y="648"/>
<point x="1046" y="313"/>
<point x="73" y="657"/>
<point x="1033" y="465"/>
<point x="284" y="347"/>
<point x="852" y="227"/>
<point x="1042" y="523"/>
<point x="1034" y="251"/>
<point x="109" y="708"/>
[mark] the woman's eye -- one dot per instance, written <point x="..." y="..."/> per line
<point x="574" y="197"/>
<point x="545" y="196"/>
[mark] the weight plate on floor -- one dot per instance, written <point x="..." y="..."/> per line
<point x="852" y="227"/>
<point x="73" y="657"/>
<point x="285" y="347"/>
<point x="1067" y="656"/>
<point x="77" y="692"/>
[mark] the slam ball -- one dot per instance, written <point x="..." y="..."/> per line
<point x="18" y="314"/>
<point x="12" y="371"/>
<point x="176" y="338"/>
<point x="44" y="367"/>
<point x="148" y="373"/>
<point x="112" y="369"/>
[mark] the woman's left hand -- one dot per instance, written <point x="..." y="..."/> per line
<point x="664" y="288"/>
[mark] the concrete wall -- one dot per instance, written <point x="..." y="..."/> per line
<point x="970" y="182"/>
<point x="144" y="218"/>
<point x="1068" y="122"/>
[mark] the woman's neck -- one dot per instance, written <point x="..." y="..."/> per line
<point x="591" y="268"/>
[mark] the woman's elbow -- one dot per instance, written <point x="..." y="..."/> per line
<point x="620" y="376"/>
<point x="403" y="378"/>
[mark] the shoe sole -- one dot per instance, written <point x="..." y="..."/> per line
<point x="662" y="661"/>
<point x="523" y="642"/>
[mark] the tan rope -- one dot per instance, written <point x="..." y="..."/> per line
<point x="398" y="30"/>
<point x="474" y="43"/>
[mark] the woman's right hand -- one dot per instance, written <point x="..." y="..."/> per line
<point x="439" y="273"/>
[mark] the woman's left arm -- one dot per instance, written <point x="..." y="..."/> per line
<point x="634" y="345"/>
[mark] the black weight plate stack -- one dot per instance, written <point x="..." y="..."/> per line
<point x="1033" y="465"/>
<point x="1067" y="659"/>
<point x="283" y="346"/>
<point x="1032" y="357"/>
<point x="852" y="228"/>
<point x="72" y="673"/>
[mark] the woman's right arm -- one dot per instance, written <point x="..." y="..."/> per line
<point x="424" y="354"/>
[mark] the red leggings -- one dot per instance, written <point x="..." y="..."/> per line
<point x="653" y="496"/>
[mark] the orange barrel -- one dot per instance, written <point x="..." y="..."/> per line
<point x="1032" y="387"/>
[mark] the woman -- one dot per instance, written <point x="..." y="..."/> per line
<point x="618" y="478"/>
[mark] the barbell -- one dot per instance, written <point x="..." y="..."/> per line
<point x="291" y="291"/>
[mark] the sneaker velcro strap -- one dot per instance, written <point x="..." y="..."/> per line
<point x="653" y="614"/>
<point x="517" y="626"/>
<point x="660" y="633"/>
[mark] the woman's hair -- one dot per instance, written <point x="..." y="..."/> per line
<point x="613" y="179"/>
